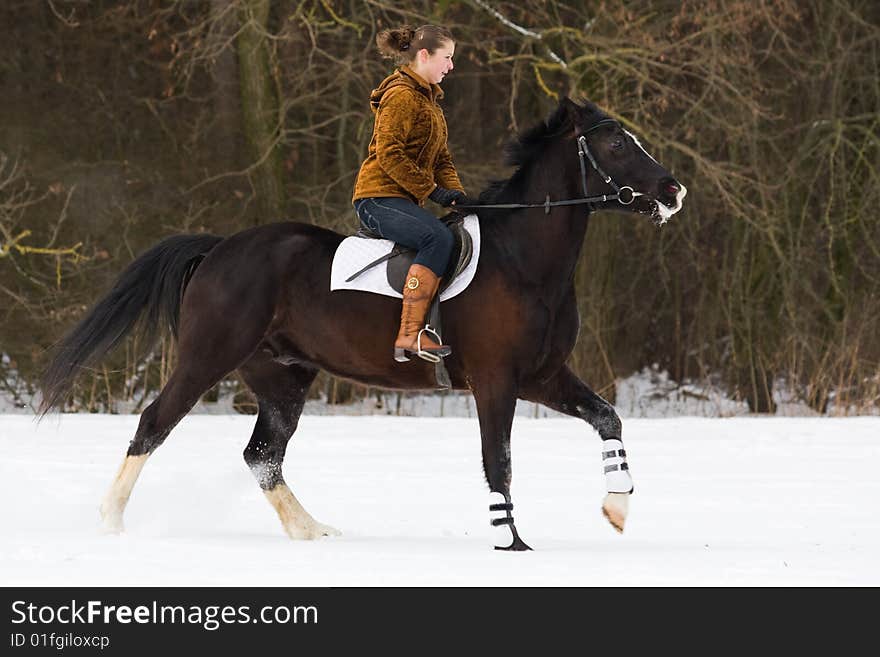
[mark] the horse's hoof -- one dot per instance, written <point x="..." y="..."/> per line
<point x="111" y="521"/>
<point x="312" y="532"/>
<point x="517" y="546"/>
<point x="327" y="530"/>
<point x="615" y="508"/>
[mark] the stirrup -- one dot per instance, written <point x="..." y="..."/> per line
<point x="401" y="354"/>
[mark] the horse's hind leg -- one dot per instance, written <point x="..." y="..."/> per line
<point x="220" y="328"/>
<point x="177" y="398"/>
<point x="281" y="392"/>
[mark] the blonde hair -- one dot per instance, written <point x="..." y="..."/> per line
<point x="402" y="43"/>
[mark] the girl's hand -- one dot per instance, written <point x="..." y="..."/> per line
<point x="447" y="197"/>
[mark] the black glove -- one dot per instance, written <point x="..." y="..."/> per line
<point x="447" y="197"/>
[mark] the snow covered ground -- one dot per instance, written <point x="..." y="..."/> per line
<point x="718" y="501"/>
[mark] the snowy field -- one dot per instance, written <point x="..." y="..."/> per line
<point x="726" y="501"/>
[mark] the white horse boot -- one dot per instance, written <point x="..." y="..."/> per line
<point x="504" y="532"/>
<point x="618" y="482"/>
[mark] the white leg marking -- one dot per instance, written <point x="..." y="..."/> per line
<point x="614" y="508"/>
<point x="114" y="502"/>
<point x="294" y="518"/>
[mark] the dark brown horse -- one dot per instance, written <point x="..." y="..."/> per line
<point x="259" y="302"/>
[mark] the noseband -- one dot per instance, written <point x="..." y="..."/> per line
<point x="624" y="195"/>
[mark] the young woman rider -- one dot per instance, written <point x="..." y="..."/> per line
<point x="408" y="162"/>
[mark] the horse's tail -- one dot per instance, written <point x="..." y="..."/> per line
<point x="150" y="287"/>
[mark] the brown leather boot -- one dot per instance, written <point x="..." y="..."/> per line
<point x="414" y="338"/>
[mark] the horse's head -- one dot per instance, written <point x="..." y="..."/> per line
<point x="617" y="164"/>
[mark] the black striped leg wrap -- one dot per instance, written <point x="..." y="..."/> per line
<point x="617" y="476"/>
<point x="501" y="519"/>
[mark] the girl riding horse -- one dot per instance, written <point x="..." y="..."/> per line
<point x="409" y="162"/>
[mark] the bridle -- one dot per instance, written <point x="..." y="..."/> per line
<point x="624" y="195"/>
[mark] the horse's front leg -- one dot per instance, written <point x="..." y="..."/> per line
<point x="496" y="401"/>
<point x="566" y="393"/>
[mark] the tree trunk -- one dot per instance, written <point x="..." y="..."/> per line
<point x="227" y="90"/>
<point x="260" y="108"/>
<point x="756" y="385"/>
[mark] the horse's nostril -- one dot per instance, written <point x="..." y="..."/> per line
<point x="671" y="188"/>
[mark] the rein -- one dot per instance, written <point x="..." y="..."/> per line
<point x="624" y="195"/>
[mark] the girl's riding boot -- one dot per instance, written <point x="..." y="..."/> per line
<point x="416" y="337"/>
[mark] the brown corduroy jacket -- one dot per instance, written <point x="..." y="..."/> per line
<point x="408" y="155"/>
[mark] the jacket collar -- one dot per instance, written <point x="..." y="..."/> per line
<point x="432" y="91"/>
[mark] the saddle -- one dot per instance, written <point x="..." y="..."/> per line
<point x="401" y="257"/>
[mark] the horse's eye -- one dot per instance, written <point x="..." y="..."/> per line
<point x="616" y="144"/>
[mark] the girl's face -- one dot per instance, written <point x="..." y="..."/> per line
<point x="433" y="68"/>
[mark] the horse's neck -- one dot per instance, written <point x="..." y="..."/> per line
<point x="544" y="248"/>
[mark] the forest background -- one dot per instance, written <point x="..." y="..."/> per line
<point x="125" y="122"/>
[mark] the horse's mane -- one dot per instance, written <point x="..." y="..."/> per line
<point x="525" y="148"/>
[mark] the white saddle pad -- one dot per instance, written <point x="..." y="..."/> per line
<point x="355" y="253"/>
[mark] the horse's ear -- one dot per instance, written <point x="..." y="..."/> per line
<point x="571" y="107"/>
<point x="573" y="111"/>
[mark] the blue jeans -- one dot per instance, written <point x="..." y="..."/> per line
<point x="400" y="220"/>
